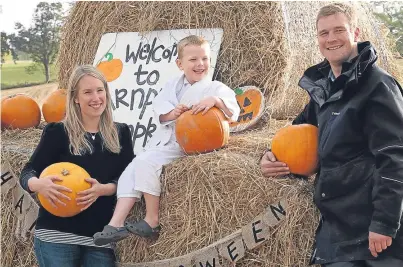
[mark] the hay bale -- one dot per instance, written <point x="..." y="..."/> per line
<point x="251" y="45"/>
<point x="15" y="252"/>
<point x="265" y="44"/>
<point x="17" y="146"/>
<point x="302" y="50"/>
<point x="205" y="198"/>
<point x="208" y="197"/>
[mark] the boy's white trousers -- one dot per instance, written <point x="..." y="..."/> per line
<point x="142" y="175"/>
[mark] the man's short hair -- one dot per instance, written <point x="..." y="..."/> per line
<point x="190" y="40"/>
<point x="335" y="8"/>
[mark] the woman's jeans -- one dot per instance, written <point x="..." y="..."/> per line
<point x="66" y="255"/>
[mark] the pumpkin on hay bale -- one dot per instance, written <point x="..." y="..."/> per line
<point x="202" y="133"/>
<point x="19" y="111"/>
<point x="54" y="106"/>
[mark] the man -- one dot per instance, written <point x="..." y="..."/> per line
<point x="358" y="108"/>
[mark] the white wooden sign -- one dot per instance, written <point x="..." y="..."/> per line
<point x="137" y="67"/>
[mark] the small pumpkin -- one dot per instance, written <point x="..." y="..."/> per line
<point x="74" y="178"/>
<point x="19" y="111"/>
<point x="54" y="106"/>
<point x="251" y="101"/>
<point x="297" y="146"/>
<point x="202" y="133"/>
<point x="111" y="69"/>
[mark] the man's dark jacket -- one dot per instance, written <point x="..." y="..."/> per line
<point x="359" y="187"/>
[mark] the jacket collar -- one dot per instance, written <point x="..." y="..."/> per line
<point x="316" y="81"/>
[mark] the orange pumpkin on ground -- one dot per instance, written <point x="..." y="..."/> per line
<point x="74" y="178"/>
<point x="202" y="133"/>
<point x="111" y="69"/>
<point x="54" y="106"/>
<point x="251" y="101"/>
<point x="19" y="111"/>
<point x="297" y="146"/>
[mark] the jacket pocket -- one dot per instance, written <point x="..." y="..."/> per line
<point x="324" y="135"/>
<point x="343" y="180"/>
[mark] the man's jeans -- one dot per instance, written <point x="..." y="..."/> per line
<point x="66" y="255"/>
<point x="382" y="262"/>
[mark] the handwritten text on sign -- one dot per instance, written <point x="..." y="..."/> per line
<point x="148" y="63"/>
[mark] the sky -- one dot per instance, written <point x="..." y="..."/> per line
<point x="13" y="11"/>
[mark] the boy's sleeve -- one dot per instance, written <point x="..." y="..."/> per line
<point x="162" y="104"/>
<point x="228" y="96"/>
<point x="46" y="153"/>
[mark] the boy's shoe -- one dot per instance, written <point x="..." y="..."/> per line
<point x="143" y="229"/>
<point x="110" y="234"/>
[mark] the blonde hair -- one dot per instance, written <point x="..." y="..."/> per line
<point x="335" y="8"/>
<point x="190" y="40"/>
<point x="79" y="145"/>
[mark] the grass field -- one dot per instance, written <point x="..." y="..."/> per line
<point x="14" y="75"/>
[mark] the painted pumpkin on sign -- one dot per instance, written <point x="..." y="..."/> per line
<point x="297" y="146"/>
<point x="202" y="133"/>
<point x="54" y="106"/>
<point x="19" y="111"/>
<point x="111" y="69"/>
<point x="74" y="178"/>
<point x="251" y="101"/>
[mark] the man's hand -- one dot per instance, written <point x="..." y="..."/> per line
<point x="378" y="243"/>
<point x="271" y="167"/>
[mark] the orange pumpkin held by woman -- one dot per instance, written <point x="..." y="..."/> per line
<point x="54" y="106"/>
<point x="19" y="112"/>
<point x="297" y="146"/>
<point x="111" y="69"/>
<point x="74" y="178"/>
<point x="202" y="133"/>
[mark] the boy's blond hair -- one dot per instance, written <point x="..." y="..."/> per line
<point x="335" y="8"/>
<point x="190" y="40"/>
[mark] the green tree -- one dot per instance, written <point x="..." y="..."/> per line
<point x="41" y="41"/>
<point x="5" y="47"/>
<point x="393" y="19"/>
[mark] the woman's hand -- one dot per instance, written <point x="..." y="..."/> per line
<point x="49" y="190"/>
<point x="89" y="196"/>
<point x="271" y="167"/>
<point x="204" y="105"/>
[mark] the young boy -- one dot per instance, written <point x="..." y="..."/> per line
<point x="193" y="90"/>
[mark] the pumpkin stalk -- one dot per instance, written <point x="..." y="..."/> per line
<point x="65" y="172"/>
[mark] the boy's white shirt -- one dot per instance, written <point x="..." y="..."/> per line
<point x="167" y="100"/>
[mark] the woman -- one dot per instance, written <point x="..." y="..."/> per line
<point x="89" y="138"/>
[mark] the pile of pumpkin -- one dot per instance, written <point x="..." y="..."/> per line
<point x="20" y="111"/>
